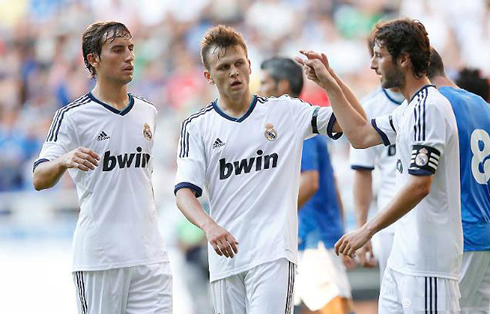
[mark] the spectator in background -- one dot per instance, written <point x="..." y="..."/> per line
<point x="472" y="81"/>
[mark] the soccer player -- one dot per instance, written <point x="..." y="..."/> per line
<point x="379" y="102"/>
<point x="423" y="267"/>
<point x="245" y="151"/>
<point x="104" y="139"/>
<point x="322" y="282"/>
<point x="473" y="119"/>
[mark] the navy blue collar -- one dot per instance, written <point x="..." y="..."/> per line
<point x="224" y="115"/>
<point x="119" y="112"/>
<point x="396" y="102"/>
<point x="420" y="90"/>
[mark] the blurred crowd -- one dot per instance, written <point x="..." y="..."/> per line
<point x="42" y="67"/>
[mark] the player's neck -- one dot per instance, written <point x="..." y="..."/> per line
<point x="235" y="107"/>
<point x="413" y="85"/>
<point x="441" y="81"/>
<point x="114" y="95"/>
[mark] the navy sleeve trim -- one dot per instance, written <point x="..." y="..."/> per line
<point x="314" y="121"/>
<point x="385" y="139"/>
<point x="357" y="167"/>
<point x="38" y="162"/>
<point x="424" y="160"/>
<point x="330" y="128"/>
<point x="391" y="123"/>
<point x="197" y="190"/>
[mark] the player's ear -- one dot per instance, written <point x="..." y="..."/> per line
<point x="249" y="67"/>
<point x="284" y="87"/>
<point x="208" y="77"/>
<point x="93" y="59"/>
<point x="404" y="60"/>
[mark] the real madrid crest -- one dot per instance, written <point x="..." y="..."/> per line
<point x="270" y="133"/>
<point x="422" y="157"/>
<point x="147" y="131"/>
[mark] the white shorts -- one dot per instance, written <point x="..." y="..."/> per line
<point x="321" y="278"/>
<point x="138" y="289"/>
<point x="417" y="294"/>
<point x="266" y="288"/>
<point x="474" y="282"/>
<point x="382" y="243"/>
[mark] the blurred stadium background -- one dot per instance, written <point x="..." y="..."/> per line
<point x="41" y="69"/>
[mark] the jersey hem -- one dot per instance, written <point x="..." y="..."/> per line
<point x="236" y="271"/>
<point x="425" y="273"/>
<point x="120" y="265"/>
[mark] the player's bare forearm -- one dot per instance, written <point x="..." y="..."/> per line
<point x="309" y="183"/>
<point x="47" y="174"/>
<point x="220" y="239"/>
<point x="404" y="201"/>
<point x="351" y="98"/>
<point x="339" y="200"/>
<point x="416" y="189"/>
<point x="351" y="118"/>
<point x="192" y="210"/>
<point x="363" y="194"/>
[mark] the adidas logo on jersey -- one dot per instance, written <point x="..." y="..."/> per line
<point x="103" y="136"/>
<point x="218" y="143"/>
<point x="226" y="169"/>
<point x="140" y="159"/>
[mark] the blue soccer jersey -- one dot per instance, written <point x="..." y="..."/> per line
<point x="319" y="218"/>
<point x="473" y="119"/>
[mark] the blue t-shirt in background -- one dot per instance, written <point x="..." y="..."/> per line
<point x="473" y="119"/>
<point x="319" y="218"/>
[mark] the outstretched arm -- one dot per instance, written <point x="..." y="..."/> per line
<point x="48" y="173"/>
<point x="404" y="201"/>
<point x="222" y="241"/>
<point x="348" y="111"/>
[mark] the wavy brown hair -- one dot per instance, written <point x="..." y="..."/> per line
<point x="405" y="36"/>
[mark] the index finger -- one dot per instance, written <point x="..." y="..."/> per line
<point x="299" y="60"/>
<point x="90" y="152"/>
<point x="310" y="54"/>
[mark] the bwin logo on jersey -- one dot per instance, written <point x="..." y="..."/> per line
<point x="226" y="169"/>
<point x="125" y="160"/>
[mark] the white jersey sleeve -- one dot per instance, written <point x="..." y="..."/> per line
<point x="428" y="136"/>
<point x="313" y="119"/>
<point x="191" y="165"/>
<point x="62" y="138"/>
<point x="362" y="159"/>
<point x="387" y="125"/>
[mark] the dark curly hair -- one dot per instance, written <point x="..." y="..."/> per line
<point x="94" y="37"/>
<point x="405" y="36"/>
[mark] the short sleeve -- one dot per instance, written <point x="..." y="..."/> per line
<point x="61" y="139"/>
<point x="428" y="137"/>
<point x="387" y="126"/>
<point x="362" y="159"/>
<point x="310" y="158"/>
<point x="190" y="159"/>
<point x="313" y="120"/>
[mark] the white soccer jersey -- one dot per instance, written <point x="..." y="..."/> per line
<point x="117" y="226"/>
<point x="250" y="167"/>
<point x="378" y="103"/>
<point x="428" y="240"/>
